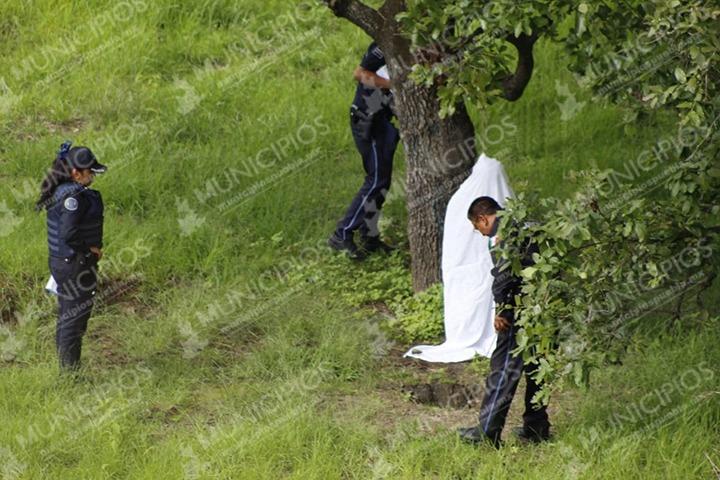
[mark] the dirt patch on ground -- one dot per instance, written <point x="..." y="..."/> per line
<point x="32" y="129"/>
<point x="394" y="416"/>
<point x="111" y="350"/>
<point x="71" y="125"/>
<point x="12" y="307"/>
<point x="123" y="293"/>
<point x="436" y="398"/>
<point x="168" y="414"/>
<point x="445" y="395"/>
<point x="238" y="343"/>
<point x="119" y="290"/>
<point x="7" y="309"/>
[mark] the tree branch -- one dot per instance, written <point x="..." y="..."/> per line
<point x="358" y="13"/>
<point x="514" y="85"/>
<point x="390" y="8"/>
<point x="704" y="286"/>
<point x="464" y="41"/>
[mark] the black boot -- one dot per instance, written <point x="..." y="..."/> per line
<point x="476" y="436"/>
<point x="374" y="244"/>
<point x="347" y="246"/>
<point x="531" y="435"/>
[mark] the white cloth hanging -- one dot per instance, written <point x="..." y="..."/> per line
<point x="466" y="263"/>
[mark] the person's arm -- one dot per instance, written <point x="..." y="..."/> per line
<point x="372" y="61"/>
<point x="506" y="285"/>
<point x="370" y="79"/>
<point x="97" y="248"/>
<point x="73" y="210"/>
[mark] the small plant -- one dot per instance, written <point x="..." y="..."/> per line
<point x="418" y="317"/>
<point x="383" y="282"/>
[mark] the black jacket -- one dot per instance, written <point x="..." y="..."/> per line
<point x="507" y="285"/>
<point x="74" y="220"/>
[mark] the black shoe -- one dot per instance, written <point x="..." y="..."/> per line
<point x="531" y="435"/>
<point x="347" y="246"/>
<point x="374" y="244"/>
<point x="476" y="436"/>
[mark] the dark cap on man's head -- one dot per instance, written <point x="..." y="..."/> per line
<point x="82" y="158"/>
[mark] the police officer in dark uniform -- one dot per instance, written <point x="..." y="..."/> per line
<point x="505" y="368"/>
<point x="376" y="139"/>
<point x="75" y="241"/>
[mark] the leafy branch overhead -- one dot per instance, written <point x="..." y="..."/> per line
<point x="467" y="49"/>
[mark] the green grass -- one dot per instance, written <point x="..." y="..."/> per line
<point x="303" y="384"/>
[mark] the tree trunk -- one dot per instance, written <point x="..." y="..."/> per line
<point x="439" y="153"/>
<point x="439" y="156"/>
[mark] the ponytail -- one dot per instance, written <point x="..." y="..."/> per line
<point x="58" y="173"/>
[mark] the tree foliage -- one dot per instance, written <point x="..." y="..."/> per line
<point x="633" y="244"/>
<point x="467" y="46"/>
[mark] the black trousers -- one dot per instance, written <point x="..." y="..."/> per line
<point x="500" y="387"/>
<point x="377" y="147"/>
<point x="77" y="281"/>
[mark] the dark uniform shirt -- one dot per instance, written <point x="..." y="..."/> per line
<point x="368" y="99"/>
<point x="74" y="220"/>
<point x="507" y="285"/>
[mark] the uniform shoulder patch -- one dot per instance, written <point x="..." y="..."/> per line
<point x="71" y="204"/>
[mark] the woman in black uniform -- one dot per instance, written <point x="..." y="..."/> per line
<point x="75" y="240"/>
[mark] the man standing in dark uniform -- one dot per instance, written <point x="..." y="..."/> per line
<point x="505" y="368"/>
<point x="376" y="139"/>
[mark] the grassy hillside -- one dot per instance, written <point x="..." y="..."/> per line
<point x="229" y="343"/>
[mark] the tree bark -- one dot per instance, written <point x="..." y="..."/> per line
<point x="514" y="85"/>
<point x="439" y="153"/>
<point x="358" y="13"/>
<point x="439" y="156"/>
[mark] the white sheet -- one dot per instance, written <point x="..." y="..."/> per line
<point x="466" y="265"/>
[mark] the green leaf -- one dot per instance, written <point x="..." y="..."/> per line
<point x="640" y="230"/>
<point x="680" y="75"/>
<point x="627" y="229"/>
<point x="528" y="272"/>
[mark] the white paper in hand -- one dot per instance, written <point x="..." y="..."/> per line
<point x="383" y="72"/>
<point x="51" y="286"/>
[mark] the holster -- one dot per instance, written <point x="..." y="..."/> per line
<point x="360" y="123"/>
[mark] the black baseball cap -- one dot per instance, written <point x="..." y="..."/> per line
<point x="83" y="158"/>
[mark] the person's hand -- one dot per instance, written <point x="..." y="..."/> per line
<point x="501" y="324"/>
<point x="97" y="252"/>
